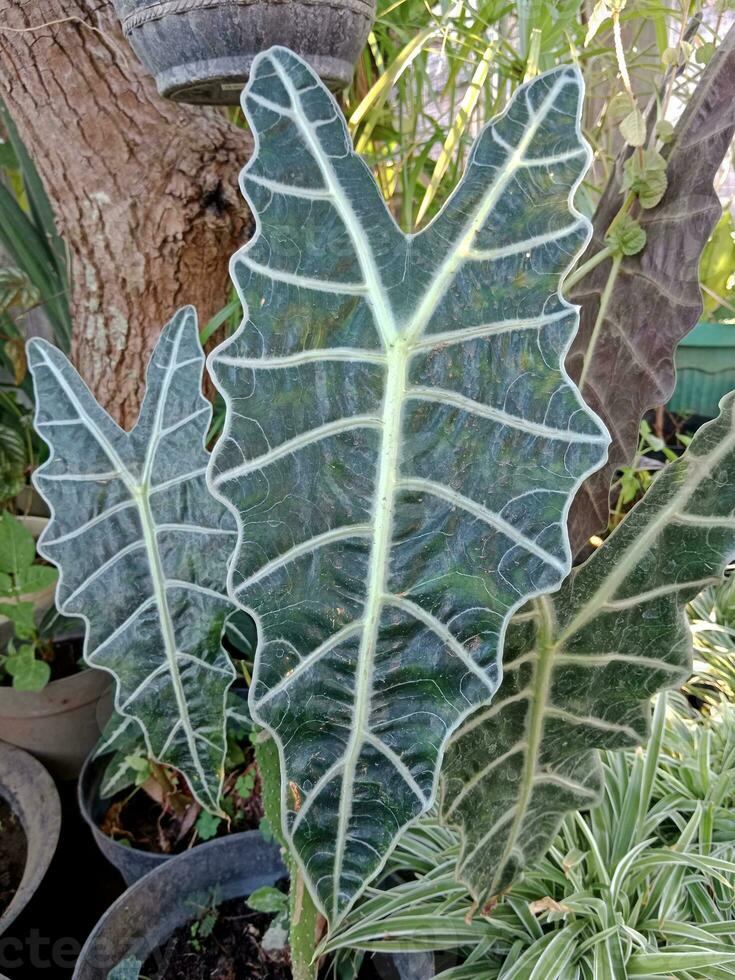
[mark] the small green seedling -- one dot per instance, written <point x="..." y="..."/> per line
<point x="207" y="825"/>
<point x="272" y="902"/>
<point x="20" y="575"/>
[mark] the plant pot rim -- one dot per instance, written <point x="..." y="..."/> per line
<point x="147" y="914"/>
<point x="81" y="688"/>
<point x="154" y="884"/>
<point x="134" y="13"/>
<point x="30" y="792"/>
<point x="97" y="831"/>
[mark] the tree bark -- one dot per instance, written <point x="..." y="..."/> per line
<point x="145" y="191"/>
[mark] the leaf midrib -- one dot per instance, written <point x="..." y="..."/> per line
<point x="547" y="658"/>
<point x="398" y="346"/>
<point x="148" y="524"/>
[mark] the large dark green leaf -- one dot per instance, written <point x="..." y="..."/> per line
<point x="628" y="357"/>
<point x="401" y="448"/>
<point x="142" y="548"/>
<point x="580" y="666"/>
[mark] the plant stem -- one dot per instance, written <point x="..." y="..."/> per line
<point x="305" y="921"/>
<point x="305" y="918"/>
<point x="579" y="273"/>
<point x="161" y="777"/>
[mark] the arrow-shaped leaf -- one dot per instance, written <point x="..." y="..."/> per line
<point x="580" y="666"/>
<point x="142" y="548"/>
<point x="401" y="448"/>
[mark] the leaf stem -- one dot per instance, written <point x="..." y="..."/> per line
<point x="583" y="270"/>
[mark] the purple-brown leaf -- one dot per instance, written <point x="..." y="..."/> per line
<point x="656" y="299"/>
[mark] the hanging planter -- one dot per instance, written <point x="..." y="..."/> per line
<point x="200" y="51"/>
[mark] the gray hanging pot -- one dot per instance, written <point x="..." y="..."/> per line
<point x="200" y="51"/>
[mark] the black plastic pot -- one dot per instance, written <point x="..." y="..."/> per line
<point x="152" y="909"/>
<point x="200" y="51"/>
<point x="129" y="861"/>
<point x="146" y="915"/>
<point x="31" y="795"/>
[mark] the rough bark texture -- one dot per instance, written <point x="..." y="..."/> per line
<point x="145" y="191"/>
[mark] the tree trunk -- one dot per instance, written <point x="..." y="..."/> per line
<point x="144" y="191"/>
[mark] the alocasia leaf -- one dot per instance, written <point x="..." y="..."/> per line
<point x="580" y="666"/>
<point x="625" y="362"/>
<point x="142" y="548"/>
<point x="401" y="448"/>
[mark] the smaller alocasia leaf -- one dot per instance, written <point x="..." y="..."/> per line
<point x="12" y="462"/>
<point x="16" y="290"/>
<point x="581" y="665"/>
<point x="120" y="744"/>
<point x="142" y="548"/>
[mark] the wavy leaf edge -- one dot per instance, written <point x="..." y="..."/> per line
<point x="643" y="526"/>
<point x="604" y="438"/>
<point x="185" y="323"/>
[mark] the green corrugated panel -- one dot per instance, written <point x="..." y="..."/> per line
<point x="705" y="369"/>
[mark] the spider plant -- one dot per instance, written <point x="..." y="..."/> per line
<point x="641" y="886"/>
<point x="712" y="618"/>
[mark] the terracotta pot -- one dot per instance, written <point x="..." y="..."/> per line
<point x="32" y="796"/>
<point x="59" y="725"/>
<point x="200" y="51"/>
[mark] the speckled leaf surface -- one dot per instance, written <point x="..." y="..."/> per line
<point x="142" y="548"/>
<point x="656" y="298"/>
<point x="401" y="448"/>
<point x="580" y="666"/>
